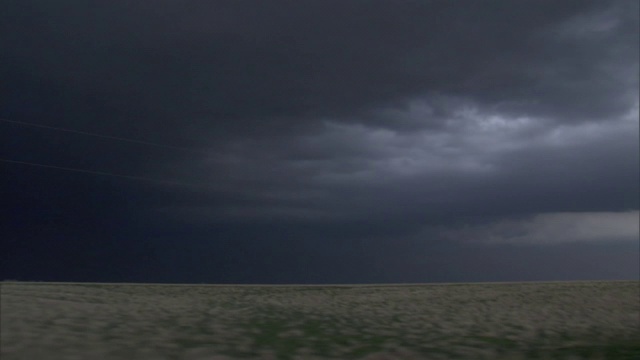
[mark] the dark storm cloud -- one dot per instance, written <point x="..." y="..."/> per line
<point x="379" y="126"/>
<point x="249" y="62"/>
<point x="489" y="167"/>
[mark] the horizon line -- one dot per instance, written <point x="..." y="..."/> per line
<point x="303" y="285"/>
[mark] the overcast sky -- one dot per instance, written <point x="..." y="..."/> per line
<point x="319" y="141"/>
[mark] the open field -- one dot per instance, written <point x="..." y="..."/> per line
<point x="559" y="320"/>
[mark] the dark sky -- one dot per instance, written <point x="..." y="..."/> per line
<point x="319" y="141"/>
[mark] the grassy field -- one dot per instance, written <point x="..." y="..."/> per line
<point x="562" y="320"/>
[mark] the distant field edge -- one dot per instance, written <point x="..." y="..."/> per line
<point x="313" y="285"/>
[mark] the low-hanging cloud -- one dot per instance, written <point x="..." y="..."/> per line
<point x="554" y="228"/>
<point x="476" y="159"/>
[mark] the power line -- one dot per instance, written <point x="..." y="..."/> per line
<point x="118" y="138"/>
<point x="102" y="173"/>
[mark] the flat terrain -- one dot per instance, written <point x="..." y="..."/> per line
<point x="562" y="320"/>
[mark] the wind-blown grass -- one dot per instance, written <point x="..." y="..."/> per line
<point x="597" y="320"/>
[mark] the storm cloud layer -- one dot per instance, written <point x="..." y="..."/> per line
<point x="396" y="136"/>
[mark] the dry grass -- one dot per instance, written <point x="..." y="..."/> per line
<point x="570" y="320"/>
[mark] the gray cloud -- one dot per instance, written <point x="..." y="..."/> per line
<point x="554" y="228"/>
<point x="239" y="62"/>
<point x="387" y="125"/>
<point x="475" y="159"/>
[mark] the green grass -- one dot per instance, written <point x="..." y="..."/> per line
<point x="537" y="321"/>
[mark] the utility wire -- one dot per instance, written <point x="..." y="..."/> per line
<point x="134" y="141"/>
<point x="102" y="173"/>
